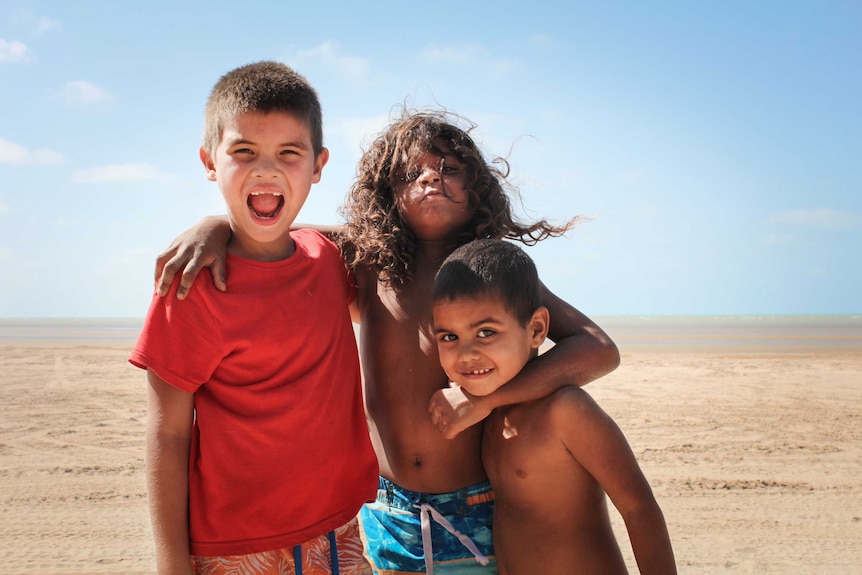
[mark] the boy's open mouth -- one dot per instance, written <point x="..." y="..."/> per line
<point x="265" y="205"/>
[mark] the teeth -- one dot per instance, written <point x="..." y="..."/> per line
<point x="265" y="203"/>
<point x="479" y="371"/>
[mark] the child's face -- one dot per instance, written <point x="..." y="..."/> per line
<point x="481" y="344"/>
<point x="264" y="166"/>
<point x="432" y="199"/>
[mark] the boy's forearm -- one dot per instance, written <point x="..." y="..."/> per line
<point x="328" y="230"/>
<point x="574" y="360"/>
<point x="583" y="353"/>
<point x="217" y="226"/>
<point x="167" y="487"/>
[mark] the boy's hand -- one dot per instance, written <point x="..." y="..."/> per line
<point x="453" y="410"/>
<point x="204" y="245"/>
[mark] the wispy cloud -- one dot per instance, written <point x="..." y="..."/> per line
<point x="13" y="154"/>
<point x="13" y="51"/>
<point x="816" y="218"/>
<point x="504" y="68"/>
<point x="464" y="54"/>
<point x="120" y="173"/>
<point x="542" y="39"/>
<point x="469" y="56"/>
<point x="329" y="55"/>
<point x="634" y="175"/>
<point x="780" y="239"/>
<point x="83" y="93"/>
<point x="645" y="209"/>
<point x="39" y="24"/>
<point x="360" y="131"/>
<point x="44" y="25"/>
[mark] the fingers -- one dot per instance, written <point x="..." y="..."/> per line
<point x="442" y="424"/>
<point x="163" y="259"/>
<point x="436" y="412"/>
<point x="190" y="272"/>
<point x="437" y="416"/>
<point x="218" y="270"/>
<point x="168" y="271"/>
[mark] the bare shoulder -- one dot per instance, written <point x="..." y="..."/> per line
<point x="365" y="277"/>
<point x="571" y="410"/>
<point x="570" y="400"/>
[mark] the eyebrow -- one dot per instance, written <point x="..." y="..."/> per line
<point x="444" y="153"/>
<point x="474" y="325"/>
<point x="289" y="144"/>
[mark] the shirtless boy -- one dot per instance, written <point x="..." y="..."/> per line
<point x="550" y="460"/>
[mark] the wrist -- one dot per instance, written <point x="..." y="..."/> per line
<point x="483" y="403"/>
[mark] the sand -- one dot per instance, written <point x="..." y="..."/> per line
<point x="756" y="458"/>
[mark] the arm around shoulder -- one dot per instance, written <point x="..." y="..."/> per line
<point x="591" y="353"/>
<point x="203" y="245"/>
<point x="582" y="353"/>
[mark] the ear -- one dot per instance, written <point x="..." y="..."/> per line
<point x="209" y="165"/>
<point x="539" y="325"/>
<point x="319" y="162"/>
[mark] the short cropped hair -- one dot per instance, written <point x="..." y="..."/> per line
<point x="493" y="268"/>
<point x="262" y="87"/>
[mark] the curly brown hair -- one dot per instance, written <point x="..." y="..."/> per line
<point x="375" y="234"/>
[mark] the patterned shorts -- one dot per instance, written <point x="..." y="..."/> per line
<point x="313" y="558"/>
<point x="453" y="528"/>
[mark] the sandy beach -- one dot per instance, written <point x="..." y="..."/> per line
<point x="754" y="453"/>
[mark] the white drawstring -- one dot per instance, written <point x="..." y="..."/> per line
<point x="425" y="514"/>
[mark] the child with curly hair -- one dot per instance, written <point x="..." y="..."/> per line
<point x="423" y="188"/>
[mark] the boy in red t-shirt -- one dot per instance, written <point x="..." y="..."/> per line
<point x="257" y="445"/>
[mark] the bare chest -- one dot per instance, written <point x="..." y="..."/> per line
<point x="397" y="342"/>
<point x="528" y="464"/>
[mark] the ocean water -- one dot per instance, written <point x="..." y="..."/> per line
<point x="70" y="331"/>
<point x="631" y="333"/>
<point x="736" y="333"/>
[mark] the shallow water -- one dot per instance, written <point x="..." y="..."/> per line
<point x="631" y="333"/>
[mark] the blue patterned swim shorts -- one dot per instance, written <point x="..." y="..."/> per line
<point x="454" y="528"/>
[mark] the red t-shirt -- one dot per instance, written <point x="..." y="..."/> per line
<point x="280" y="450"/>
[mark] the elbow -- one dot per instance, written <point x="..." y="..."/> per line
<point x="607" y="354"/>
<point x="612" y="354"/>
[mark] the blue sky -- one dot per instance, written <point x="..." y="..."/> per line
<point x="715" y="146"/>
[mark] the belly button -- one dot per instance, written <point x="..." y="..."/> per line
<point x="417" y="462"/>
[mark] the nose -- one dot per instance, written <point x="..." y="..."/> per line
<point x="428" y="176"/>
<point x="265" y="167"/>
<point x="467" y="352"/>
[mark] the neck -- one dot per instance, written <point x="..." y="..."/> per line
<point x="262" y="252"/>
<point x="434" y="251"/>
